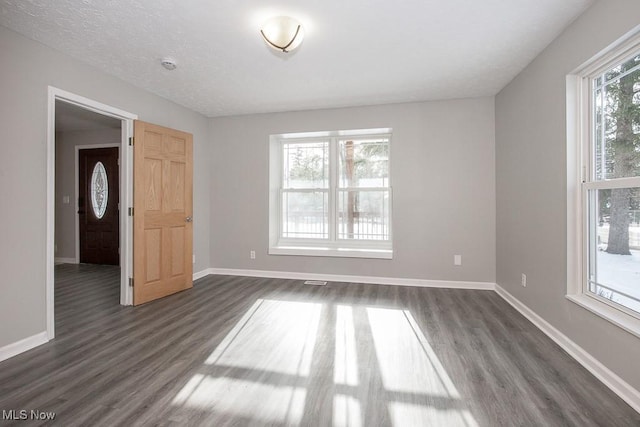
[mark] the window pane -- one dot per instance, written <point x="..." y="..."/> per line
<point x="306" y="165"/>
<point x="99" y="190"/>
<point x="614" y="242"/>
<point x="616" y="128"/>
<point x="364" y="163"/>
<point x="305" y="215"/>
<point x="363" y="215"/>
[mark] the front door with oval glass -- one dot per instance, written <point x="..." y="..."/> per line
<point x="98" y="199"/>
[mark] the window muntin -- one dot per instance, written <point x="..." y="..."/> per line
<point x="333" y="193"/>
<point x="99" y="190"/>
<point x="612" y="187"/>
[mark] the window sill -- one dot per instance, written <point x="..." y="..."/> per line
<point x="617" y="317"/>
<point x="332" y="252"/>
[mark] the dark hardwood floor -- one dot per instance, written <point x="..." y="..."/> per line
<point x="249" y="351"/>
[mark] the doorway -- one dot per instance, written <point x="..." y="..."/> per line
<point x="98" y="206"/>
<point x="105" y="244"/>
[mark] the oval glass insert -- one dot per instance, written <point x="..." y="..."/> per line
<point x="99" y="190"/>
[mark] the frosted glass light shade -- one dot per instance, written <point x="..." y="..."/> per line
<point x="282" y="33"/>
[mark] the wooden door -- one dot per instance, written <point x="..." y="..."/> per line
<point x="98" y="213"/>
<point x="163" y="209"/>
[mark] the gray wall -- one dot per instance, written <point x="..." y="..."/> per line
<point x="442" y="170"/>
<point x="66" y="142"/>
<point x="531" y="186"/>
<point x="26" y="69"/>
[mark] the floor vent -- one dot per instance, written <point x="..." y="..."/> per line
<point x="315" y="282"/>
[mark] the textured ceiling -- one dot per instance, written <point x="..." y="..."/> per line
<point x="356" y="52"/>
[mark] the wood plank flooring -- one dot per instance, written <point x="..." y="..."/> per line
<point x="240" y="351"/>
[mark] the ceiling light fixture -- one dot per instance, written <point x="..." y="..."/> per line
<point x="282" y="33"/>
<point x="168" y="63"/>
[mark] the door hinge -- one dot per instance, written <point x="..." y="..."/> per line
<point x="131" y="141"/>
<point x="130" y="211"/>
<point x="131" y="282"/>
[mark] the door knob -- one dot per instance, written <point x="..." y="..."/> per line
<point x="188" y="219"/>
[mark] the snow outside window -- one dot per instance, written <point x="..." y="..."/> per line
<point x="607" y="211"/>
<point x="612" y="185"/>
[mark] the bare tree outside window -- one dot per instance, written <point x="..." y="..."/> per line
<point x="614" y="261"/>
<point x="617" y="102"/>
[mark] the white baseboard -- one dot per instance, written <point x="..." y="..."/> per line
<point x="23" y="345"/>
<point x="65" y="261"/>
<point x="620" y="387"/>
<point x="200" y="274"/>
<point x="354" y="279"/>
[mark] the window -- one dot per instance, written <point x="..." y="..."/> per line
<point x="99" y="190"/>
<point x="331" y="194"/>
<point x="608" y="200"/>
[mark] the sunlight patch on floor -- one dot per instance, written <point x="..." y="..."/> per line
<point x="272" y="341"/>
<point x="261" y="370"/>
<point x="407" y="361"/>
<point x="409" y="365"/>
<point x="346" y="362"/>
<point x="274" y="336"/>
<point x="346" y="411"/>
<point x="277" y="404"/>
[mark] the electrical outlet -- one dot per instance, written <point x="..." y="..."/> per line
<point x="252" y="254"/>
<point x="524" y="280"/>
<point x="457" y="260"/>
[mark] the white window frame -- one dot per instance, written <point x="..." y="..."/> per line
<point x="332" y="246"/>
<point x="581" y="179"/>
